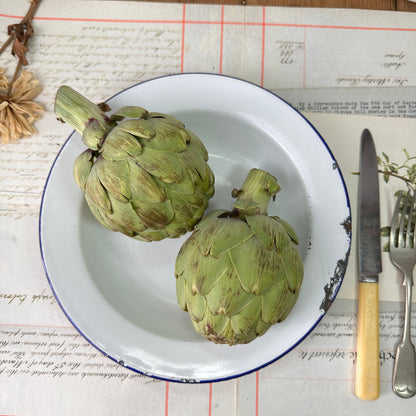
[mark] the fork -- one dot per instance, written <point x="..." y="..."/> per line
<point x="403" y="256"/>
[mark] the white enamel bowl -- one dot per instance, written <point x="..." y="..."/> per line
<point x="120" y="293"/>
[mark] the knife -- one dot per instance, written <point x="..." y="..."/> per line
<point x="369" y="252"/>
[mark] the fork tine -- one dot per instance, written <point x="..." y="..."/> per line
<point x="395" y="233"/>
<point x="402" y="238"/>
<point x="395" y="223"/>
<point x="410" y="234"/>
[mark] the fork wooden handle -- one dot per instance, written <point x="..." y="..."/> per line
<point x="368" y="361"/>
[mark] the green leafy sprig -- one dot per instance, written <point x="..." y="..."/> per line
<point x="405" y="171"/>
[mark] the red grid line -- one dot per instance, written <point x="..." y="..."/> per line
<point x="263" y="46"/>
<point x="304" y="58"/>
<point x="37" y="326"/>
<point x="183" y="36"/>
<point x="210" y="400"/>
<point x="220" y="22"/>
<point x="221" y="39"/>
<point x="257" y="393"/>
<point x="167" y="399"/>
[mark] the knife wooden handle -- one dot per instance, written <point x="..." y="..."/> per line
<point x="368" y="361"/>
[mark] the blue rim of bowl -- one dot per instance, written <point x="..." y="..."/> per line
<point x="333" y="292"/>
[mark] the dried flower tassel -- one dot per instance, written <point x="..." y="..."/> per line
<point x="18" y="111"/>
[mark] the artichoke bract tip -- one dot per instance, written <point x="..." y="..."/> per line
<point x="143" y="174"/>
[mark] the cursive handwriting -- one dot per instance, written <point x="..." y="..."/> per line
<point x="56" y="353"/>
<point x="21" y="298"/>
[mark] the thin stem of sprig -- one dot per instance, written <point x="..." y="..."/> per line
<point x="409" y="183"/>
<point x="16" y="73"/>
<point x="25" y="23"/>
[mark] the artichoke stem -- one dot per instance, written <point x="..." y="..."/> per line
<point x="76" y="110"/>
<point x="255" y="193"/>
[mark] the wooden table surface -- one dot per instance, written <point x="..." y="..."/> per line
<point x="395" y="5"/>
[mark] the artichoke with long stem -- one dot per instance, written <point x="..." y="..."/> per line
<point x="143" y="174"/>
<point x="240" y="271"/>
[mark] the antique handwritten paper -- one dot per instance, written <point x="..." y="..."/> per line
<point x="102" y="47"/>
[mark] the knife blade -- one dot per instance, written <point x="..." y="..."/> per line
<point x="369" y="252"/>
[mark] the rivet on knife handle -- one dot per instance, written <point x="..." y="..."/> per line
<point x="368" y="362"/>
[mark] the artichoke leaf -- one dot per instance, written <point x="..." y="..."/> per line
<point x="208" y="233"/>
<point x="138" y="127"/>
<point x="197" y="143"/>
<point x="273" y="302"/>
<point x="197" y="306"/>
<point x="198" y="169"/>
<point x="185" y="186"/>
<point x="246" y="259"/>
<point x="143" y="186"/>
<point x="93" y="134"/>
<point x="186" y="205"/>
<point x="289" y="229"/>
<point x="142" y="237"/>
<point x="114" y="176"/>
<point x="210" y="217"/>
<point x="155" y="215"/>
<point x="281" y="236"/>
<point x="152" y="235"/>
<point x="271" y="273"/>
<point x="187" y="253"/>
<point x="174" y="229"/>
<point x="227" y="234"/>
<point x="97" y="214"/>
<point x="216" y="328"/>
<point x="265" y="228"/>
<point x="256" y="267"/>
<point x="131" y="111"/>
<point x="262" y="327"/>
<point x="125" y="218"/>
<point x="293" y="266"/>
<point x="156" y="115"/>
<point x="82" y="167"/>
<point x="163" y="165"/>
<point x="288" y="306"/>
<point x="180" y="292"/>
<point x="96" y="192"/>
<point x="207" y="271"/>
<point x="120" y="145"/>
<point x="247" y="319"/>
<point x="168" y="138"/>
<point x="227" y="297"/>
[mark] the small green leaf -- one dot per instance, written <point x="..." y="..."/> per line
<point x="385" y="231"/>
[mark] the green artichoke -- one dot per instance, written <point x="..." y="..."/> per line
<point x="240" y="272"/>
<point x="143" y="173"/>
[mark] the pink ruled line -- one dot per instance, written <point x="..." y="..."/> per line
<point x="183" y="36"/>
<point x="257" y="392"/>
<point x="263" y="46"/>
<point x="221" y="39"/>
<point x="210" y="400"/>
<point x="167" y="399"/>
<point x="37" y="326"/>
<point x="214" y="22"/>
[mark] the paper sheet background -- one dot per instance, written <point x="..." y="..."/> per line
<point x="101" y="48"/>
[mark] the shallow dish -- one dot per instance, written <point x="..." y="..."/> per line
<point x="120" y="293"/>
